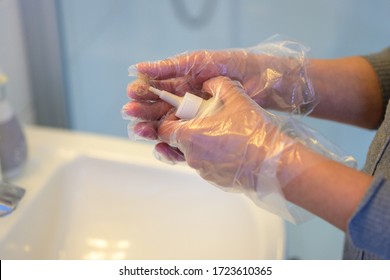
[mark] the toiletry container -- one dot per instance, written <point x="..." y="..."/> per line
<point x="13" y="148"/>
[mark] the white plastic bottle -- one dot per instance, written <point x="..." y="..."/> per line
<point x="187" y="106"/>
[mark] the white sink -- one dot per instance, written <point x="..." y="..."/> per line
<point x="94" y="197"/>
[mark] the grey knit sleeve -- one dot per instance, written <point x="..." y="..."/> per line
<point x="369" y="227"/>
<point x="381" y="63"/>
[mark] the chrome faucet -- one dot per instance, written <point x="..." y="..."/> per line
<point x="10" y="195"/>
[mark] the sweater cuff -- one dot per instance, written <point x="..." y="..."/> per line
<point x="381" y="63"/>
<point x="369" y="227"/>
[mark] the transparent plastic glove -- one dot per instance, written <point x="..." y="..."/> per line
<point x="237" y="146"/>
<point x="272" y="73"/>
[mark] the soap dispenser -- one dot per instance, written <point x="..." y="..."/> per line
<point x="13" y="148"/>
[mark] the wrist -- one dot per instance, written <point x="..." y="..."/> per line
<point x="324" y="187"/>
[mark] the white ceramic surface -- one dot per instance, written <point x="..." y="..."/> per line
<point x="95" y="197"/>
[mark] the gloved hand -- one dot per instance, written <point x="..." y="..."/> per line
<point x="231" y="144"/>
<point x="273" y="74"/>
<point x="237" y="146"/>
<point x="240" y="146"/>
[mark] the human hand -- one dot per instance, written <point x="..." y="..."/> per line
<point x="239" y="147"/>
<point x="251" y="147"/>
<point x="231" y="145"/>
<point x="272" y="74"/>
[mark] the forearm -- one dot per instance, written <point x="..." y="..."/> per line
<point x="349" y="91"/>
<point x="314" y="186"/>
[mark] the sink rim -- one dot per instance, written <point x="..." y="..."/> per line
<point x="66" y="146"/>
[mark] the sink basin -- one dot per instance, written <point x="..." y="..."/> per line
<point x="95" y="197"/>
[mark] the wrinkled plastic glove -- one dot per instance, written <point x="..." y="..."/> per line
<point x="236" y="145"/>
<point x="272" y="73"/>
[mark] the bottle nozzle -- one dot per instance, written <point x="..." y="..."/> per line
<point x="187" y="106"/>
<point x="172" y="99"/>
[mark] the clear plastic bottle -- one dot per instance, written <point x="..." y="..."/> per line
<point x="13" y="147"/>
